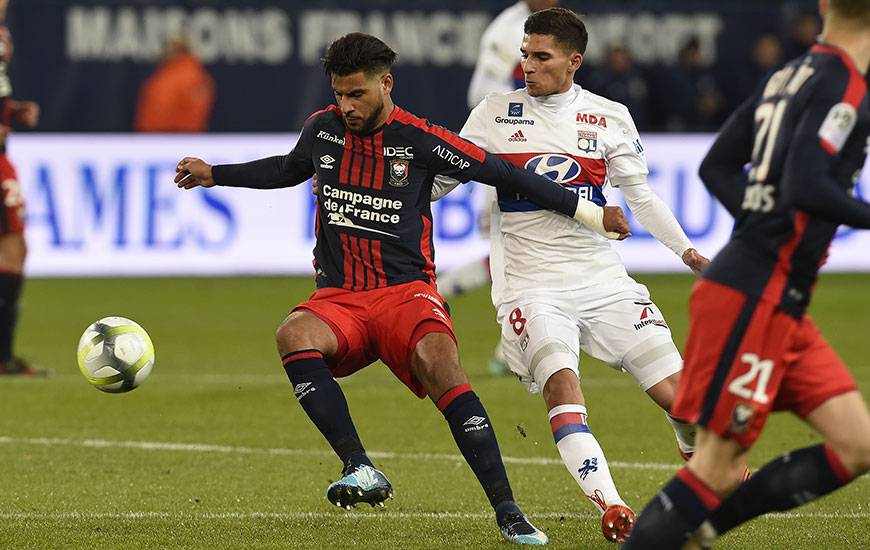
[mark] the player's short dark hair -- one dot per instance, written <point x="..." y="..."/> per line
<point x="356" y="52"/>
<point x="563" y="25"/>
<point x="852" y="10"/>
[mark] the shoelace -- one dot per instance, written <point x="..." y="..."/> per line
<point x="517" y="524"/>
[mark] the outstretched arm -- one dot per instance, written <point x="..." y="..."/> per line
<point x="655" y="216"/>
<point x="609" y="221"/>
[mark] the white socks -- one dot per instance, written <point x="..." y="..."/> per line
<point x="583" y="456"/>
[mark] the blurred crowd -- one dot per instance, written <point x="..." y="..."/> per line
<point x="688" y="96"/>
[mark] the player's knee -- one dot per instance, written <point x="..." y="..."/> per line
<point x="853" y="453"/>
<point x="295" y="334"/>
<point x="435" y="358"/>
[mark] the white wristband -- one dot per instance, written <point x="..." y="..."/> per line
<point x="592" y="216"/>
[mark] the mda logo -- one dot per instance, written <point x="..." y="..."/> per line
<point x="558" y="168"/>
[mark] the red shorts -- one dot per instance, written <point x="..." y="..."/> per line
<point x="12" y="209"/>
<point x="745" y="358"/>
<point x="384" y="323"/>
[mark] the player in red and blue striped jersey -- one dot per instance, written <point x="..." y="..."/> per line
<point x="374" y="262"/>
<point x="752" y="349"/>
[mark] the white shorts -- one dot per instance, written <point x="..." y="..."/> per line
<point x="623" y="329"/>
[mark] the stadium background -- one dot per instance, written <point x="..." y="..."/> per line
<point x="212" y="452"/>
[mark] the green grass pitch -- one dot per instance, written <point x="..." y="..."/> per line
<point x="214" y="452"/>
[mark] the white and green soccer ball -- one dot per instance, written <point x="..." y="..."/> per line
<point x="115" y="354"/>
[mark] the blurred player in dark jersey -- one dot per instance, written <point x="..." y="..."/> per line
<point x="376" y="296"/>
<point x="13" y="249"/>
<point x="752" y="349"/>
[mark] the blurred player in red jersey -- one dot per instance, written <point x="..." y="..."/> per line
<point x="752" y="349"/>
<point x="13" y="248"/>
<point x="376" y="296"/>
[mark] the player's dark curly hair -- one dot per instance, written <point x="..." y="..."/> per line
<point x="563" y="25"/>
<point x="356" y="52"/>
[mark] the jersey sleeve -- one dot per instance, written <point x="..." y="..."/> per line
<point x="826" y="122"/>
<point x="626" y="163"/>
<point x="449" y="155"/>
<point x="474" y="130"/>
<point x="273" y="172"/>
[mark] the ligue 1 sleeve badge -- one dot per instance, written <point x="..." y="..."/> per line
<point x="399" y="172"/>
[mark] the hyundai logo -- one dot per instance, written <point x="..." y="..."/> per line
<point x="559" y="168"/>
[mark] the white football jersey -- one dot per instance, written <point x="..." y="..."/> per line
<point x="580" y="140"/>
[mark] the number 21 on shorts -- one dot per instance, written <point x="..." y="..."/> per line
<point x="760" y="369"/>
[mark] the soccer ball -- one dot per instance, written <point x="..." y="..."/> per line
<point x="115" y="354"/>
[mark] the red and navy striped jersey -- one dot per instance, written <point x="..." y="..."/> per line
<point x="374" y="223"/>
<point x="804" y="135"/>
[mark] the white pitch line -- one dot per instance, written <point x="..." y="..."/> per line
<point x="282" y="451"/>
<point x="207" y="448"/>
<point x="352" y="516"/>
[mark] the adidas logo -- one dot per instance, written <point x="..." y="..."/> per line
<point x="303" y="389"/>
<point x="475" y="423"/>
<point x="518" y="136"/>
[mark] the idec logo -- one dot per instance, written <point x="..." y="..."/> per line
<point x="595" y="120"/>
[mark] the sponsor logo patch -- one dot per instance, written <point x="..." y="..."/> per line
<point x="515" y="109"/>
<point x="593" y="120"/>
<point x="559" y="168"/>
<point x="329" y="137"/>
<point x="838" y="124"/>
<point x="648" y="317"/>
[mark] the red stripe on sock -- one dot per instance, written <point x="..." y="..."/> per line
<point x="707" y="496"/>
<point x="299" y="355"/>
<point x="450" y="395"/>
<point x="840" y="470"/>
<point x="562" y="420"/>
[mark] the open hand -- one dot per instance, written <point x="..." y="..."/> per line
<point x="192" y="172"/>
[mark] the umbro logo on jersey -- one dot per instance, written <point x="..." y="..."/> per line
<point x="475" y="423"/>
<point x="326" y="162"/>
<point x="518" y="136"/>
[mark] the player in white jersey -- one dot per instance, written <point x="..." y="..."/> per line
<point x="558" y="287"/>
<point x="498" y="69"/>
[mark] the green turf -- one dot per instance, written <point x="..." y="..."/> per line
<point x="257" y="477"/>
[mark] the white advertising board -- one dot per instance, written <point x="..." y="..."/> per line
<point x="105" y="205"/>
